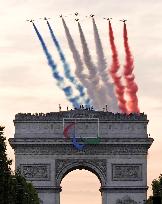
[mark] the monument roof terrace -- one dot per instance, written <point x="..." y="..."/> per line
<point x="81" y="113"/>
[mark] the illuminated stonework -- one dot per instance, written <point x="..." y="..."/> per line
<point x="119" y="160"/>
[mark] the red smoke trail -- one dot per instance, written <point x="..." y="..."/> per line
<point x="131" y="86"/>
<point x="119" y="88"/>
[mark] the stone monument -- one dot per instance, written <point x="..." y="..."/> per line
<point x="112" y="146"/>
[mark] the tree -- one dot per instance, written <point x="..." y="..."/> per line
<point x="5" y="171"/>
<point x="157" y="191"/>
<point x="14" y="189"/>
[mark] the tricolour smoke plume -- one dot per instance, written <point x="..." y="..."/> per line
<point x="119" y="88"/>
<point x="67" y="71"/>
<point x="60" y="80"/>
<point x="79" y="65"/>
<point x="100" y="98"/>
<point x="131" y="86"/>
<point x="102" y="69"/>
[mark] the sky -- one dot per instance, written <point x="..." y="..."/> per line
<point x="26" y="82"/>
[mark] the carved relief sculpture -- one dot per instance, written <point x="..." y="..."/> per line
<point x="35" y="171"/>
<point x="126" y="200"/>
<point x="121" y="172"/>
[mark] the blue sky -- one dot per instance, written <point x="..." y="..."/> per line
<point x="26" y="83"/>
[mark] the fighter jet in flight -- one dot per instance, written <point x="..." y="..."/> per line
<point x="77" y="19"/>
<point x="45" y="18"/>
<point x="76" y="14"/>
<point x="31" y="20"/>
<point x="108" y="19"/>
<point x="124" y="20"/>
<point x="61" y="16"/>
<point x="92" y="15"/>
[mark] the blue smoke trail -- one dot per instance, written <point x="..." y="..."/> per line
<point x="60" y="80"/>
<point x="67" y="71"/>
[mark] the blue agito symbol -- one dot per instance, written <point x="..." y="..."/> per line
<point x="85" y="141"/>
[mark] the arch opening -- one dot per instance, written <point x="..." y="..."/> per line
<point x="91" y="167"/>
<point x="80" y="185"/>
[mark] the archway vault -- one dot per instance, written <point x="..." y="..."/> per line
<point x="96" y="166"/>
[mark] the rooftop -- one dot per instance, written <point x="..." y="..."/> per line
<point x="80" y="113"/>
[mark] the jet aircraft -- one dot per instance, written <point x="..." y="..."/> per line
<point x="108" y="19"/>
<point x="31" y="20"/>
<point x="92" y="15"/>
<point x="76" y="14"/>
<point x="77" y="19"/>
<point x="45" y="18"/>
<point x="124" y="20"/>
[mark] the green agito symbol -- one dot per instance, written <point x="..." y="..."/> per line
<point x="91" y="140"/>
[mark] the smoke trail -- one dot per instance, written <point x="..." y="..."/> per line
<point x="67" y="71"/>
<point x="119" y="88"/>
<point x="102" y="68"/>
<point x="79" y="66"/>
<point x="100" y="55"/>
<point x="131" y="86"/>
<point x="87" y="58"/>
<point x="93" y="73"/>
<point x="60" y="80"/>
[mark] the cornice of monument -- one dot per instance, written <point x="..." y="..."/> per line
<point x="50" y="148"/>
<point x="56" y="141"/>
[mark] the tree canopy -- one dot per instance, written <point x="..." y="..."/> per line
<point x="157" y="191"/>
<point x="14" y="189"/>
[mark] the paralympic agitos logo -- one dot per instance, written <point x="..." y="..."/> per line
<point x="69" y="132"/>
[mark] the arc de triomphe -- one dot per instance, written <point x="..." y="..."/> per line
<point x="112" y="146"/>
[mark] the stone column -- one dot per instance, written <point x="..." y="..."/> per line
<point x="103" y="191"/>
<point x="57" y="190"/>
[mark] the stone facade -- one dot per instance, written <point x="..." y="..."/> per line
<point x="119" y="159"/>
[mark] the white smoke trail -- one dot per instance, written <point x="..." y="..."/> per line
<point x="79" y="65"/>
<point x="103" y="71"/>
<point x="101" y="100"/>
<point x="87" y="58"/>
